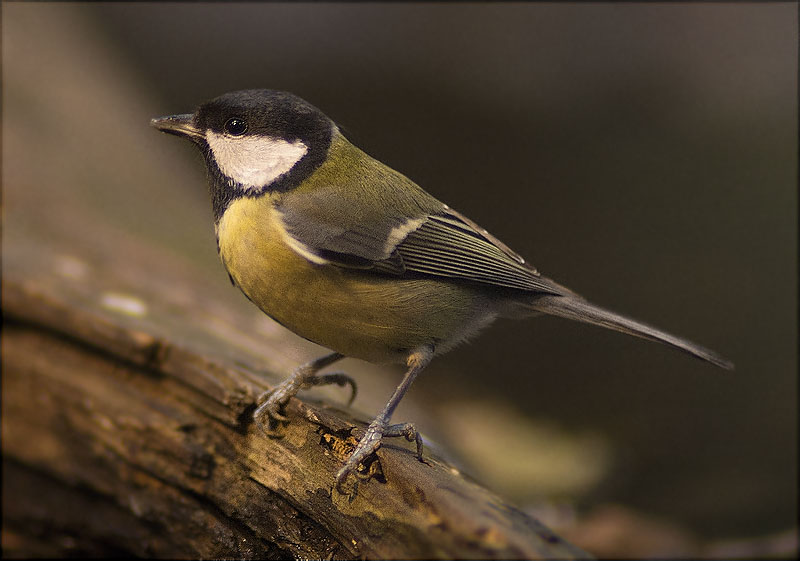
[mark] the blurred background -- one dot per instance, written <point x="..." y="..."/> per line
<point x="643" y="155"/>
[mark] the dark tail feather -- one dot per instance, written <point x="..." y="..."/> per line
<point x="572" y="307"/>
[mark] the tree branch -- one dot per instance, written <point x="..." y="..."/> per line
<point x="119" y="437"/>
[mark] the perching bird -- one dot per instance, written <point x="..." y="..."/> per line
<point x="356" y="257"/>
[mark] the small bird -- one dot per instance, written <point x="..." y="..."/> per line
<point x="354" y="256"/>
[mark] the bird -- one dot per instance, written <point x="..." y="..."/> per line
<point x="350" y="254"/>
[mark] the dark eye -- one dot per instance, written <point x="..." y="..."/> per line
<point x="235" y="126"/>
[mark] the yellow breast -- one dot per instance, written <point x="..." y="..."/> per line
<point x="356" y="313"/>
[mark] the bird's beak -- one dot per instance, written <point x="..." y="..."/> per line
<point x="181" y="125"/>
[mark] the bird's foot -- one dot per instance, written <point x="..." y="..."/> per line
<point x="272" y="403"/>
<point x="376" y="432"/>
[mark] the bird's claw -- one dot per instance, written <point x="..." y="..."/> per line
<point x="272" y="403"/>
<point x="339" y="378"/>
<point x="376" y="432"/>
<point x="268" y="413"/>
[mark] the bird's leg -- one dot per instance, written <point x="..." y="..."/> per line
<point x="380" y="427"/>
<point x="272" y="402"/>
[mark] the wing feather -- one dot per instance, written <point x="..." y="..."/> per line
<point x="435" y="241"/>
<point x="447" y="246"/>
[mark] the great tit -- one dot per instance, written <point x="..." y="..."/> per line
<point x="356" y="257"/>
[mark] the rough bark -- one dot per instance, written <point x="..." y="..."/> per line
<point x="121" y="437"/>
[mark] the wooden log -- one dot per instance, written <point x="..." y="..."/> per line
<point x="121" y="437"/>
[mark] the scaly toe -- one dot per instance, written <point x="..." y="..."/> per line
<point x="341" y="479"/>
<point x="275" y="416"/>
<point x="268" y="416"/>
<point x="338" y="378"/>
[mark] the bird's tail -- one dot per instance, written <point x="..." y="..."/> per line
<point x="576" y="308"/>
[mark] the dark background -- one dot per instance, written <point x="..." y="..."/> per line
<point x="643" y="155"/>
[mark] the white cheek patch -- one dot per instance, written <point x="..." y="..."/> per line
<point x="254" y="161"/>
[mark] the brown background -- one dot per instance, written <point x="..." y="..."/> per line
<point x="643" y="155"/>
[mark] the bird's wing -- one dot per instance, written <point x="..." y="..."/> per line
<point x="359" y="244"/>
<point x="448" y="244"/>
<point x="434" y="241"/>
